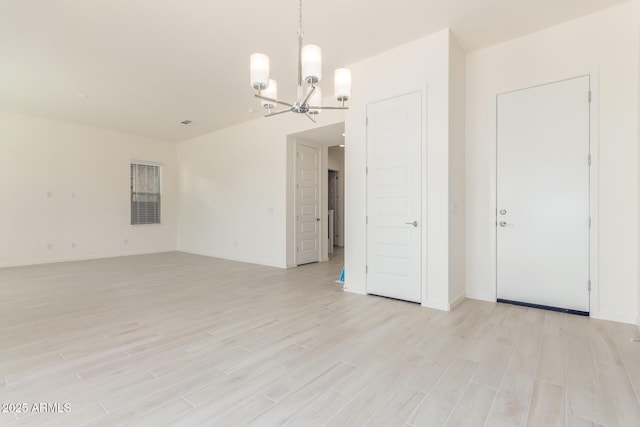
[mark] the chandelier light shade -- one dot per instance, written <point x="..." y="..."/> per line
<point x="309" y="99"/>
<point x="259" y="71"/>
<point x="342" y="84"/>
<point x="271" y="91"/>
<point x="311" y="63"/>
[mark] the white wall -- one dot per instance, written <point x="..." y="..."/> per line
<point x="607" y="45"/>
<point x="39" y="156"/>
<point x="234" y="197"/>
<point x="638" y="317"/>
<point x="457" y="59"/>
<point x="336" y="158"/>
<point x="422" y="65"/>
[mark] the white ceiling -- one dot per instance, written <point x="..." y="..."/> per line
<point x="142" y="66"/>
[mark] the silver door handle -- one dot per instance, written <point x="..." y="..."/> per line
<point x="503" y="223"/>
<point x="414" y="223"/>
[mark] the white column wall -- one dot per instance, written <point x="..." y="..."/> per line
<point x="422" y="65"/>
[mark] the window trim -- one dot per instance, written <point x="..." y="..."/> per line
<point x="160" y="167"/>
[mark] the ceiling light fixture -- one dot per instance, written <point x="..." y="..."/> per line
<point x="309" y="99"/>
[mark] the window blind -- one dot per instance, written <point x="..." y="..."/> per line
<point x="145" y="194"/>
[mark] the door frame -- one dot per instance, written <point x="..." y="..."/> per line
<point x="424" y="300"/>
<point x="340" y="204"/>
<point x="593" y="184"/>
<point x="336" y="172"/>
<point x="322" y="207"/>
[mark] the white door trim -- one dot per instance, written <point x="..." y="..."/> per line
<point x="593" y="187"/>
<point x="322" y="207"/>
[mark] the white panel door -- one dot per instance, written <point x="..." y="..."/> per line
<point x="307" y="204"/>
<point x="543" y="195"/>
<point x="394" y="197"/>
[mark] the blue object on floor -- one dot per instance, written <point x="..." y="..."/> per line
<point x="342" y="275"/>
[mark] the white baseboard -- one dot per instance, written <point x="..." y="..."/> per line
<point x="438" y="305"/>
<point x="84" y="258"/>
<point x="237" y="259"/>
<point x="481" y="296"/>
<point x="616" y="317"/>
<point x="345" y="288"/>
<point x="457" y="301"/>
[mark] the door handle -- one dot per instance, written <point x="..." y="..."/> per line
<point x="503" y="223"/>
<point x="414" y="223"/>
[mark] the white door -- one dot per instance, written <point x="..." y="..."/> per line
<point x="394" y="197"/>
<point x="543" y="195"/>
<point x="307" y="204"/>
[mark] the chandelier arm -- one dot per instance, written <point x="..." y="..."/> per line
<point x="310" y="117"/>
<point x="273" y="100"/>
<point x="327" y="108"/>
<point x="277" y="113"/>
<point x="313" y="89"/>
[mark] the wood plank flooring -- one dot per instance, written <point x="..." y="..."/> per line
<point x="178" y="339"/>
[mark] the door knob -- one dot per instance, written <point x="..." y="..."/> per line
<point x="503" y="223"/>
<point x="414" y="223"/>
<point x="317" y="219"/>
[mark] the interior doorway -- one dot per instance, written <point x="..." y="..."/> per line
<point x="308" y="227"/>
<point x="329" y="143"/>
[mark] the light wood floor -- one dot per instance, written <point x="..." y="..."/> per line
<point x="177" y="339"/>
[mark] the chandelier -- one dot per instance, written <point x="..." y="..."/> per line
<point x="309" y="98"/>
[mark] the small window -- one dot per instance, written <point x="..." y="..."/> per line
<point x="145" y="194"/>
